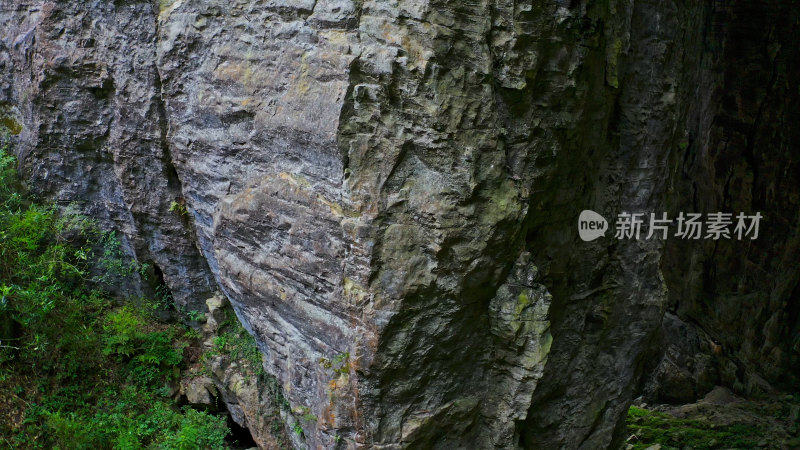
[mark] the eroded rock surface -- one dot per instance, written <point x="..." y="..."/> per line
<point x="387" y="193"/>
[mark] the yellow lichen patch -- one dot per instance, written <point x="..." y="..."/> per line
<point x="612" y="62"/>
<point x="302" y="82"/>
<point x="165" y="8"/>
<point x="418" y="55"/>
<point x="328" y="418"/>
<point x="503" y="204"/>
<point x="303" y="85"/>
<point x="353" y="292"/>
<point x="393" y="34"/>
<point x="238" y="386"/>
<point x="336" y="209"/>
<point x="338" y="384"/>
<point x="228" y="71"/>
<point x="12" y="125"/>
<point x="522" y="302"/>
<point x="336" y="38"/>
<point x="295" y="179"/>
<point x="303" y="184"/>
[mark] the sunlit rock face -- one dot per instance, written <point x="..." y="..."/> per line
<point x="387" y="192"/>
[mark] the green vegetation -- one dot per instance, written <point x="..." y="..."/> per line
<point x="307" y="415"/>
<point x="651" y="427"/>
<point x="279" y="402"/>
<point x="178" y="208"/>
<point x="76" y="370"/>
<point x="340" y="364"/>
<point x="236" y="343"/>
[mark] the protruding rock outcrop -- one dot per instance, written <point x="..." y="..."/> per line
<point x="387" y="192"/>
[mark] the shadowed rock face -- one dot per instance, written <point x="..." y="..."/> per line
<point x="741" y="154"/>
<point x="387" y="191"/>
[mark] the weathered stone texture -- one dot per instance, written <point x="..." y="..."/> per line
<point x="387" y="193"/>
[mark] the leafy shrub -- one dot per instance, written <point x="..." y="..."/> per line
<point x="235" y="342"/>
<point x="197" y="429"/>
<point x="75" y="372"/>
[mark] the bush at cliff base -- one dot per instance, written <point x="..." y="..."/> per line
<point x="76" y="371"/>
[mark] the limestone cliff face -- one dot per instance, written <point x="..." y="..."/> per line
<point x="740" y="153"/>
<point x="387" y="191"/>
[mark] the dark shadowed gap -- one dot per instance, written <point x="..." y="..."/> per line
<point x="240" y="437"/>
<point x="163" y="293"/>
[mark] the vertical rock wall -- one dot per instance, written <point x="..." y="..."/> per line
<point x="387" y="191"/>
<point x="94" y="129"/>
<point x="740" y="153"/>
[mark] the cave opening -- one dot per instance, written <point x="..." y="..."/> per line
<point x="163" y="295"/>
<point x="240" y="437"/>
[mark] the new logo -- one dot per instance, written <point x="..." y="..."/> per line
<point x="591" y="225"/>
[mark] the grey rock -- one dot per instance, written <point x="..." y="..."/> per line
<point x="199" y="391"/>
<point x="386" y="193"/>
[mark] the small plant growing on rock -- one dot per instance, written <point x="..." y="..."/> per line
<point x="179" y="208"/>
<point x="307" y="415"/>
<point x="340" y="364"/>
